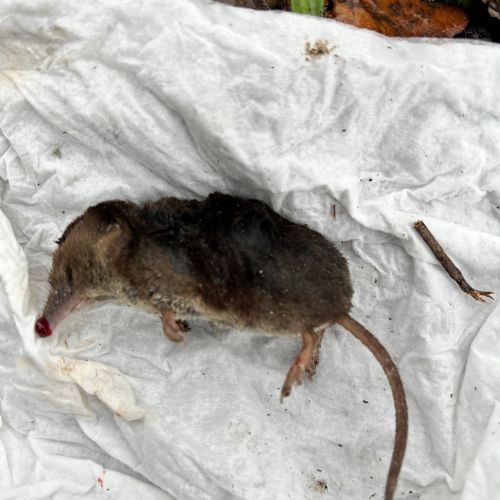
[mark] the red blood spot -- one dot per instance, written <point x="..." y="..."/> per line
<point x="42" y="327"/>
<point x="99" y="480"/>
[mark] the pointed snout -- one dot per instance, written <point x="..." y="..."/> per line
<point x="58" y="306"/>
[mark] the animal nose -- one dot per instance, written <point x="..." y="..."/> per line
<point x="42" y="327"/>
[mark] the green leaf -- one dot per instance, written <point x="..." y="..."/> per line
<point x="314" y="7"/>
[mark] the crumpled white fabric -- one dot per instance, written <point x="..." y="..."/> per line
<point x="139" y="100"/>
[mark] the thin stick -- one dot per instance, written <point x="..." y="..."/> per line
<point x="448" y="264"/>
<point x="334" y="211"/>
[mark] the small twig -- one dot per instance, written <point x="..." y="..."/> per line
<point x="448" y="264"/>
<point x="334" y="211"/>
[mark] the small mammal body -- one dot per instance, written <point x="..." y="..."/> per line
<point x="230" y="260"/>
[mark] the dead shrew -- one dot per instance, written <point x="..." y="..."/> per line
<point x="230" y="260"/>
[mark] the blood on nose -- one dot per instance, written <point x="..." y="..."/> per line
<point x="42" y="327"/>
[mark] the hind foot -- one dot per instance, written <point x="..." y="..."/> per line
<point x="305" y="362"/>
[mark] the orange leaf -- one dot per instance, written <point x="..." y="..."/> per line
<point x="401" y="17"/>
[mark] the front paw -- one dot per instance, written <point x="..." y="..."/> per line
<point x="171" y="327"/>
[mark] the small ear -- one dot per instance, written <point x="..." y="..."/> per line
<point x="114" y="244"/>
<point x="118" y="237"/>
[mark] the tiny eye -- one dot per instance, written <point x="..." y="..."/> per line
<point x="69" y="276"/>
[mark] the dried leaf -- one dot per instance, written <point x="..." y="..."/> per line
<point x="401" y="17"/>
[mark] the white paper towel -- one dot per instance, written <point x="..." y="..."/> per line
<point x="139" y="100"/>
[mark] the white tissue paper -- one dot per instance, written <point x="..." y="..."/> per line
<point x="137" y="100"/>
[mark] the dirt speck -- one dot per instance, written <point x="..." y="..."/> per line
<point x="57" y="153"/>
<point x="319" y="49"/>
<point x="319" y="485"/>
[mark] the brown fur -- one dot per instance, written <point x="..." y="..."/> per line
<point x="227" y="259"/>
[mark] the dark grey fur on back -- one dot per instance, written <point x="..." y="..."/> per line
<point x="248" y="257"/>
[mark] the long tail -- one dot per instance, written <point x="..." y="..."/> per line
<point x="398" y="394"/>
